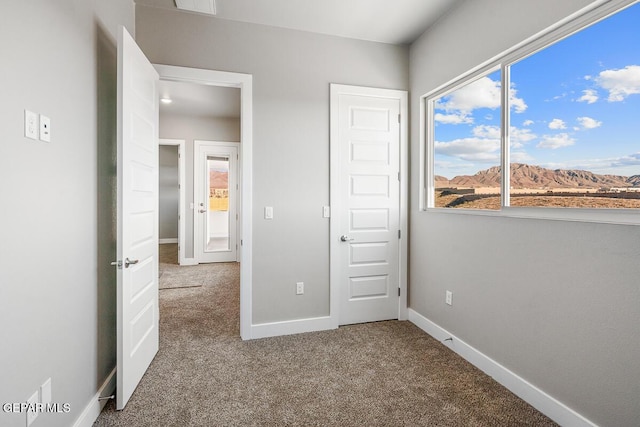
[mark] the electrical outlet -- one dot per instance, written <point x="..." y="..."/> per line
<point x="45" y="128"/>
<point x="32" y="415"/>
<point x="45" y="392"/>
<point x="449" y="298"/>
<point x="299" y="288"/>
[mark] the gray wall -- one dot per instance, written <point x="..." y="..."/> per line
<point x="57" y="293"/>
<point x="292" y="71"/>
<point x="556" y="302"/>
<point x="191" y="129"/>
<point x="169" y="194"/>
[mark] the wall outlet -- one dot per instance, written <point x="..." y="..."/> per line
<point x="45" y="128"/>
<point x="45" y="392"/>
<point x="449" y="298"/>
<point x="32" y="415"/>
<point x="299" y="288"/>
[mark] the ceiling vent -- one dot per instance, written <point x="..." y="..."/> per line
<point x="200" y="6"/>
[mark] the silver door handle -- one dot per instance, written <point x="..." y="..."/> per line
<point x="128" y="262"/>
<point x="345" y="238"/>
<point x="202" y="210"/>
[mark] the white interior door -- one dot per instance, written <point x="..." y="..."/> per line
<point x="366" y="216"/>
<point x="137" y="234"/>
<point x="216" y="190"/>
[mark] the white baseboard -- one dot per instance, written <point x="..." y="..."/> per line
<point x="290" y="327"/>
<point x="169" y="240"/>
<point x="552" y="408"/>
<point x="188" y="261"/>
<point x="93" y="409"/>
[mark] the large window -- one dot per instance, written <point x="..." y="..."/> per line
<point x="573" y="115"/>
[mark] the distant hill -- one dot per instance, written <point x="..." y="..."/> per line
<point x="218" y="179"/>
<point x="529" y="176"/>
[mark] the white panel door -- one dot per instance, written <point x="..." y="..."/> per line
<point x="137" y="234"/>
<point x="368" y="196"/>
<point x="216" y="197"/>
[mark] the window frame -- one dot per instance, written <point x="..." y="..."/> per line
<point x="564" y="28"/>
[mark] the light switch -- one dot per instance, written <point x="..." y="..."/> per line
<point x="268" y="212"/>
<point x="326" y="212"/>
<point x="30" y="124"/>
<point x="45" y="128"/>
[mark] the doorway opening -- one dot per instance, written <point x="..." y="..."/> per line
<point x="241" y="84"/>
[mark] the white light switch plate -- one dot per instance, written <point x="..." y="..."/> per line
<point x="326" y="212"/>
<point x="268" y="212"/>
<point x="30" y="124"/>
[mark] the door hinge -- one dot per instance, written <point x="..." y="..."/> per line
<point x="398" y="291"/>
<point x="398" y="176"/>
<point x="398" y="118"/>
<point x="399" y="234"/>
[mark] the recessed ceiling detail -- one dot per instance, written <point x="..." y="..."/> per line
<point x="199" y="6"/>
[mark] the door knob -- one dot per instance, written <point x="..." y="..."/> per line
<point x="345" y="238"/>
<point x="128" y="262"/>
<point x="202" y="210"/>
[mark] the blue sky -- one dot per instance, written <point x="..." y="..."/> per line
<point x="574" y="105"/>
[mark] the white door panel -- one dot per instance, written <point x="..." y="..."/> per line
<point x="216" y="197"/>
<point x="368" y="195"/>
<point x="137" y="234"/>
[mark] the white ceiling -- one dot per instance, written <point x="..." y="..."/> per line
<point x="200" y="100"/>
<point x="387" y="21"/>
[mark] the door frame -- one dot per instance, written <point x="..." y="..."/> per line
<point x="197" y="143"/>
<point x="245" y="83"/>
<point x="181" y="144"/>
<point x="335" y="226"/>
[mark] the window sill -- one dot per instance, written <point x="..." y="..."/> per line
<point x="604" y="216"/>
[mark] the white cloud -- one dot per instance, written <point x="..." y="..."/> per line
<point x="589" y="95"/>
<point x="588" y="123"/>
<point x="471" y="149"/>
<point x="520" y="157"/>
<point x="620" y="83"/>
<point x="607" y="165"/>
<point x="453" y="119"/>
<point x="487" y="131"/>
<point x="519" y="137"/>
<point x="557" y="124"/>
<point x="556" y="141"/>
<point x="527" y="123"/>
<point x="482" y="93"/>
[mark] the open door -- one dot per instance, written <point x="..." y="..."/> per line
<point x="137" y="232"/>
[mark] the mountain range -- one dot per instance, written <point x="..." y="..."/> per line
<point x="530" y="176"/>
<point x="218" y="179"/>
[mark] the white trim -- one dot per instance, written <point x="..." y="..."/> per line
<point x="168" y="240"/>
<point x="182" y="154"/>
<point x="91" y="412"/>
<point x="290" y="327"/>
<point x="334" y="177"/>
<point x="548" y="405"/>
<point x="198" y="244"/>
<point x="245" y="83"/>
<point x="189" y="261"/>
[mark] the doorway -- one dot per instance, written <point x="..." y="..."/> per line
<point x="171" y="177"/>
<point x="216" y="197"/>
<point x="244" y="82"/>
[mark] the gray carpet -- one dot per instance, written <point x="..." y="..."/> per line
<point x="376" y="374"/>
<point x="174" y="276"/>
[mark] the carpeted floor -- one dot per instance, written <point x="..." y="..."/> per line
<point x="375" y="374"/>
